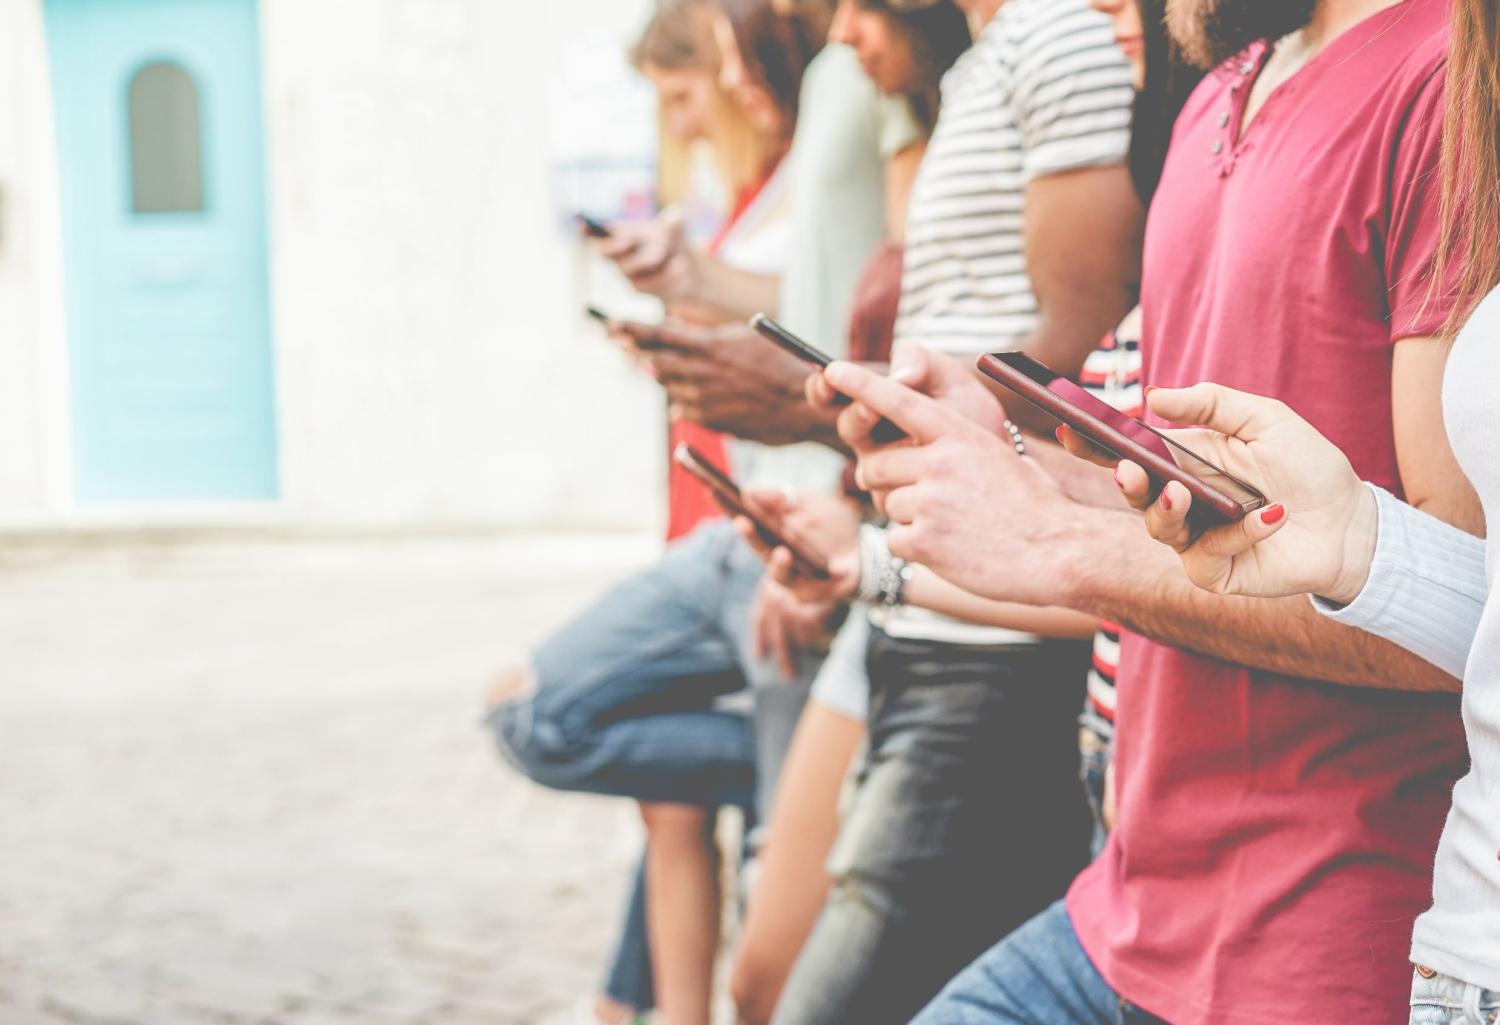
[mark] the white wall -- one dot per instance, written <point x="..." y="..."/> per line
<point x="32" y="430"/>
<point x="432" y="366"/>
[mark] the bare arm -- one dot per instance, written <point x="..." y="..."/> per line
<point x="1032" y="544"/>
<point x="929" y="591"/>
<point x="1430" y="474"/>
<point x="1083" y="253"/>
<point x="900" y="173"/>
<point x="1116" y="572"/>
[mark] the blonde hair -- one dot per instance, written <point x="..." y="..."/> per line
<point x="679" y="37"/>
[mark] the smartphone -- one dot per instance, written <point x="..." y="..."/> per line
<point x="593" y="227"/>
<point x="883" y="432"/>
<point x="1218" y="497"/>
<point x="790" y="342"/>
<point x="728" y="494"/>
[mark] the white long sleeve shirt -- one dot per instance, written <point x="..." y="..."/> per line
<point x="1432" y="590"/>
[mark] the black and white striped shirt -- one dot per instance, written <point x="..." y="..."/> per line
<point x="1044" y="89"/>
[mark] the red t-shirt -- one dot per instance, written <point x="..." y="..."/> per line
<point x="1276" y="836"/>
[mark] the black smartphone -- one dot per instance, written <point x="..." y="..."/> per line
<point x="728" y="494"/>
<point x="883" y="432"/>
<point x="593" y="227"/>
<point x="773" y="331"/>
<point x="1218" y="497"/>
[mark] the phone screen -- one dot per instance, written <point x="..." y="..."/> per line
<point x="1142" y="434"/>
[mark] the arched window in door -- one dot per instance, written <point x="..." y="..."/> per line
<point x="166" y="151"/>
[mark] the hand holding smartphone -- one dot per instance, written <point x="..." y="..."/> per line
<point x="1218" y="497"/>
<point x="728" y="494"/>
<point x="883" y="433"/>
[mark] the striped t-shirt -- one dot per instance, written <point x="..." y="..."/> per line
<point x="1043" y="90"/>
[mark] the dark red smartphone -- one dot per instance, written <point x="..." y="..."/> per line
<point x="883" y="432"/>
<point x="1218" y="497"/>
<point x="728" y="494"/>
<point x="593" y="227"/>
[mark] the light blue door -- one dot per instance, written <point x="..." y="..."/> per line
<point x="158" y="108"/>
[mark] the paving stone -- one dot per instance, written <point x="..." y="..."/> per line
<point x="252" y="791"/>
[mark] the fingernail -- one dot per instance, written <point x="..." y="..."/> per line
<point x="1118" y="481"/>
<point x="1148" y="390"/>
<point x="1273" y="515"/>
<point x="1166" y="500"/>
<point x="834" y="374"/>
<point x="905" y="374"/>
<point x="1058" y="434"/>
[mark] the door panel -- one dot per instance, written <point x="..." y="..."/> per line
<point x="158" y="110"/>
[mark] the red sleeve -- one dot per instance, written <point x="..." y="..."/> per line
<point x="1417" y="309"/>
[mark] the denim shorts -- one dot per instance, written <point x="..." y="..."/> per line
<point x="640" y="696"/>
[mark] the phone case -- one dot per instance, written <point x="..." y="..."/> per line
<point x="728" y="493"/>
<point x="1223" y="507"/>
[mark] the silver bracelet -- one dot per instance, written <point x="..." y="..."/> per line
<point x="1016" y="438"/>
<point x="882" y="576"/>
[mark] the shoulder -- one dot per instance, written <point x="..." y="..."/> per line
<point x="1023" y="26"/>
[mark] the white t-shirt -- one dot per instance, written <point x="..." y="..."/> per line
<point x="1436" y="591"/>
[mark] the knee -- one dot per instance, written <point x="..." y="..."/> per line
<point x="675" y="824"/>
<point x="527" y="733"/>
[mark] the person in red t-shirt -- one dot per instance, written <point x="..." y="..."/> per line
<point x="1283" y="781"/>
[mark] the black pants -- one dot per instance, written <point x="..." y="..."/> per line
<point x="968" y="820"/>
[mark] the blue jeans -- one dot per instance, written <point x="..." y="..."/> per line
<point x="633" y="699"/>
<point x="1038" y="975"/>
<point x="1438" y="999"/>
<point x="967" y="820"/>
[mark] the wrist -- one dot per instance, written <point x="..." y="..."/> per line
<point x="1086" y="534"/>
<point x="1360" y="538"/>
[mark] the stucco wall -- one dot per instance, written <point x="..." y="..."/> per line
<point x="432" y="366"/>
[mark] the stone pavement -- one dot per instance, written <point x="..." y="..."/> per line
<point x="245" y="785"/>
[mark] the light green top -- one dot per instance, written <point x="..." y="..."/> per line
<point x="846" y="131"/>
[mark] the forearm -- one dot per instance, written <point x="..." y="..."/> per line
<point x="737" y="294"/>
<point x="1114" y="571"/>
<point x="929" y="591"/>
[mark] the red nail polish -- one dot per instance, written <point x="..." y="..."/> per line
<point x="1166" y="501"/>
<point x="1273" y="515"/>
<point x="1146" y="392"/>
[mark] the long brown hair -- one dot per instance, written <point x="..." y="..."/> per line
<point x="938" y="34"/>
<point x="1469" y="250"/>
<point x="776" y="48"/>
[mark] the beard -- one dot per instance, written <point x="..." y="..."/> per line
<point x="1209" y="32"/>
